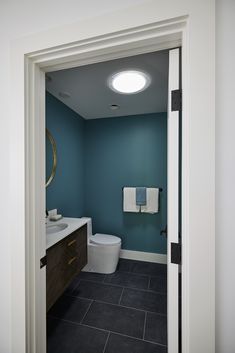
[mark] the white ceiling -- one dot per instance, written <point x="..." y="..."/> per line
<point x="91" y="97"/>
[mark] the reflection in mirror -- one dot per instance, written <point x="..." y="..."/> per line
<point x="51" y="157"/>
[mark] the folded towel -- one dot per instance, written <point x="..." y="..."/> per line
<point x="152" y="204"/>
<point x="140" y="196"/>
<point x="129" y="200"/>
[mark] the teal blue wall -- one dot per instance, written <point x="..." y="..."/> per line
<point x="126" y="151"/>
<point x="66" y="192"/>
<point x="96" y="158"/>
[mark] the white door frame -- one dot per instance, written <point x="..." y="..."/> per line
<point x="173" y="212"/>
<point x="28" y="73"/>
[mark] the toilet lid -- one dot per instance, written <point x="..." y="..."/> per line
<point x="105" y="239"/>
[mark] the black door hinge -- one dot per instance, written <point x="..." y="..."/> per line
<point x="43" y="261"/>
<point x="176" y="100"/>
<point x="164" y="231"/>
<point x="176" y="253"/>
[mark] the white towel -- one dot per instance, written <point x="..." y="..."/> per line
<point x="152" y="204"/>
<point x="129" y="200"/>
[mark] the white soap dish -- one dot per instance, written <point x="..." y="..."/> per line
<point x="56" y="217"/>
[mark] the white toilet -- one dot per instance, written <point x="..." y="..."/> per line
<point x="103" y="251"/>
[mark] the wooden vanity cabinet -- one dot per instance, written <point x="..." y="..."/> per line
<point x="65" y="260"/>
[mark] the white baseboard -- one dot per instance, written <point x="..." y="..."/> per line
<point x="143" y="256"/>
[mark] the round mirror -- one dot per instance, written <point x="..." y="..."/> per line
<point x="51" y="157"/>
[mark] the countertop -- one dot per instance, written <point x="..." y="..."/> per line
<point x="73" y="224"/>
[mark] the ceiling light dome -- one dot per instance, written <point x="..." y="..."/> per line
<point x="129" y="81"/>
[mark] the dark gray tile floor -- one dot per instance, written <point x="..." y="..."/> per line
<point x="123" y="312"/>
<point x="156" y="328"/>
<point x="158" y="284"/>
<point x="65" y="337"/>
<point x="144" y="300"/>
<point x="118" y="343"/>
<point x="98" y="291"/>
<point x="115" y="318"/>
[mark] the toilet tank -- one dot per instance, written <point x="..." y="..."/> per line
<point x="89" y="226"/>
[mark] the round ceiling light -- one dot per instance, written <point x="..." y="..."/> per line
<point x="129" y="81"/>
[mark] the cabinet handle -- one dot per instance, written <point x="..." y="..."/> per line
<point x="72" y="242"/>
<point x="72" y="260"/>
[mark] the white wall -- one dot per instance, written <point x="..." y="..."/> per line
<point x="22" y="18"/>
<point x="225" y="177"/>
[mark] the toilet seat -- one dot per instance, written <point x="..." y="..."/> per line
<point x="104" y="239"/>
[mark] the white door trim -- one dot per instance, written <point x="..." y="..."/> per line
<point x="28" y="66"/>
<point x="173" y="204"/>
<point x="127" y="43"/>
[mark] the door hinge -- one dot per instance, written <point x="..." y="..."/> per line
<point x="176" y="253"/>
<point x="176" y="100"/>
<point x="164" y="231"/>
<point x="43" y="261"/>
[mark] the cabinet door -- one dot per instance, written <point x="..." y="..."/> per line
<point x="55" y="279"/>
<point x="64" y="261"/>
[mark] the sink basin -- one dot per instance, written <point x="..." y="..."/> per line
<point x="55" y="228"/>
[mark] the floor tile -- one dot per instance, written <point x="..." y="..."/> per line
<point x="124" y="265"/>
<point x="65" y="337"/>
<point x="98" y="291"/>
<point x="70" y="308"/>
<point x="69" y="290"/>
<point x="148" y="268"/>
<point x="92" y="276"/>
<point x="158" y="284"/>
<point x="144" y="300"/>
<point x="115" y="318"/>
<point x="142" y="267"/>
<point x="117" y="343"/>
<point x="128" y="280"/>
<point x="156" y="328"/>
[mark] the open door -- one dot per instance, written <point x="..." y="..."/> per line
<point x="173" y="211"/>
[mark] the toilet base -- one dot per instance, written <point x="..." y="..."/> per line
<point x="102" y="259"/>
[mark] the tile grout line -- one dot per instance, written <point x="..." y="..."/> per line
<point x="106" y="342"/>
<point x="113" y="332"/>
<point x="149" y="282"/>
<point x="76" y="286"/>
<point x="124" y="335"/>
<point x="103" y="330"/>
<point x="86" y="311"/>
<point x="119" y="302"/>
<point x="105" y="282"/>
<point x="121" y="305"/>
<point x="145" y="319"/>
<point x="118" y="285"/>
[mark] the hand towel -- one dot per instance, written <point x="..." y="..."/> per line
<point x="129" y="200"/>
<point x="140" y="196"/>
<point x="152" y="204"/>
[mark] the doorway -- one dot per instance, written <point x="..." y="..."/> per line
<point x="38" y="228"/>
<point x="139" y="121"/>
<point x="100" y="151"/>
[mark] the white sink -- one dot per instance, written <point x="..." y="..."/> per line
<point x="56" y="231"/>
<point x="55" y="228"/>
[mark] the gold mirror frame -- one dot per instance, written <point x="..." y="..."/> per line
<point x="53" y="145"/>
